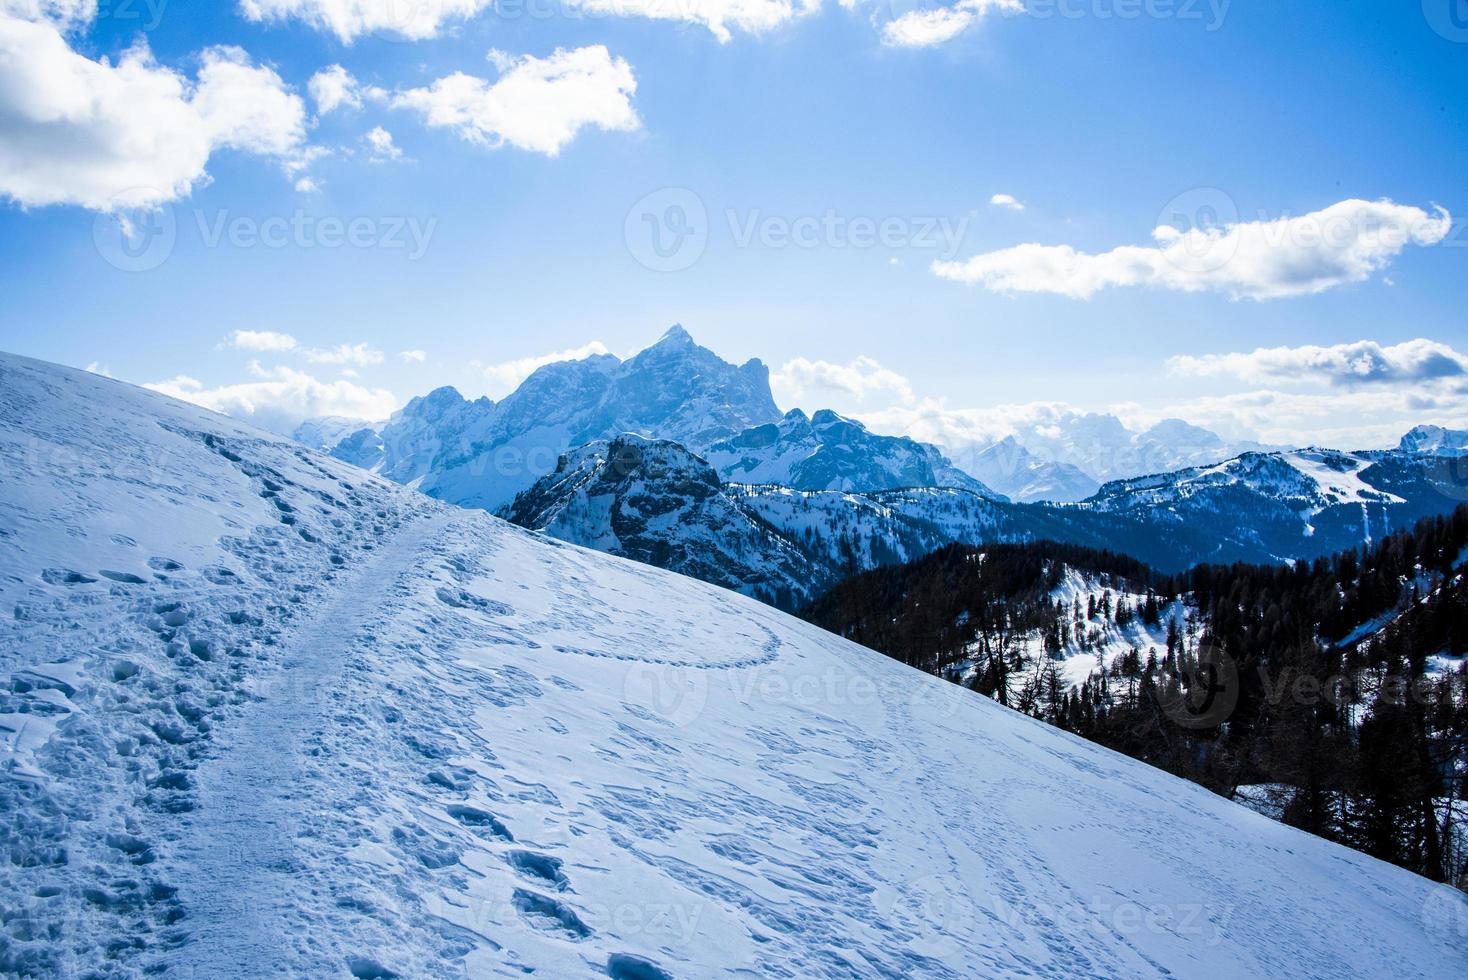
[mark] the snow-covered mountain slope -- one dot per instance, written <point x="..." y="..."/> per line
<point x="1020" y="475"/>
<point x="1434" y="440"/>
<point x="268" y="715"/>
<point x="829" y="452"/>
<point x="655" y="502"/>
<point x="1276" y="506"/>
<point x="481" y="453"/>
<point x="667" y="507"/>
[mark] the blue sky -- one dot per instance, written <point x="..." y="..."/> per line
<point x="484" y="252"/>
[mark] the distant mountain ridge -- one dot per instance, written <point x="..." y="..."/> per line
<point x="1261" y="508"/>
<point x="826" y="451"/>
<point x="482" y="453"/>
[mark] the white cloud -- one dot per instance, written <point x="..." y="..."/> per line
<point x="352" y="354"/>
<point x="537" y="104"/>
<point x="413" y="356"/>
<point x="1344" y="243"/>
<point x="379" y="141"/>
<point x="262" y="340"/>
<point x="1365" y="362"/>
<point x="509" y="374"/>
<point x="131" y="134"/>
<point x="97" y="367"/>
<point x="800" y="379"/>
<point x="282" y="398"/>
<point x="334" y="87"/>
<point x="268" y="341"/>
<point x="66" y="14"/>
<point x="349" y="19"/>
<point x="1358" y="419"/>
<point x="926" y="27"/>
<point x="307" y="185"/>
<point x="1008" y="201"/>
<point x="750" y="16"/>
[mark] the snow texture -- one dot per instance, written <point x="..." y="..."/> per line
<point x="265" y="714"/>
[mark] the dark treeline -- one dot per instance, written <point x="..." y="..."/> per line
<point x="1310" y="690"/>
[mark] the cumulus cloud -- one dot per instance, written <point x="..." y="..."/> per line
<point x="927" y="27"/>
<point x="415" y="20"/>
<point x="537" y="104"/>
<point x="1364" y="362"/>
<point x="269" y="341"/>
<point x="1008" y="201"/>
<point x="131" y="134"/>
<point x="359" y="355"/>
<point x="1362" y="418"/>
<point x="333" y="87"/>
<point x="719" y="16"/>
<point x="282" y="397"/>
<point x="261" y="340"/>
<point x="802" y="378"/>
<point x="66" y="14"/>
<point x="380" y="144"/>
<point x="1259" y="260"/>
<point x="508" y="374"/>
<point x="413" y="356"/>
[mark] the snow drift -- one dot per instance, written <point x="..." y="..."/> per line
<point x="265" y="714"/>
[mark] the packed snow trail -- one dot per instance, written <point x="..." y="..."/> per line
<point x="236" y="877"/>
<point x="262" y="714"/>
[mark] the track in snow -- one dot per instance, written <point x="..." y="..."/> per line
<point x="238" y="882"/>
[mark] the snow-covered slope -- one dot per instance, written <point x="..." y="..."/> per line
<point x="655" y="502"/>
<point x="481" y="453"/>
<point x="1284" y="505"/>
<point x="268" y="715"/>
<point x="829" y="452"/>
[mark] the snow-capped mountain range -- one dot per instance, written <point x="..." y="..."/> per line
<point x="660" y="503"/>
<point x="1064" y="455"/>
<point x="481" y="453"/>
<point x="265" y="711"/>
<point x="782" y="506"/>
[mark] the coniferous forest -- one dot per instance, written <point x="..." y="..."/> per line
<point x="1331" y="695"/>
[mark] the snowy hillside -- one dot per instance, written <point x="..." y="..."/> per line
<point x="268" y="715"/>
<point x="1301" y="504"/>
<point x="829" y="452"/>
<point x="655" y="502"/>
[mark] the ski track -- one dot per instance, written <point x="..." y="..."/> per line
<point x="237" y="878"/>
